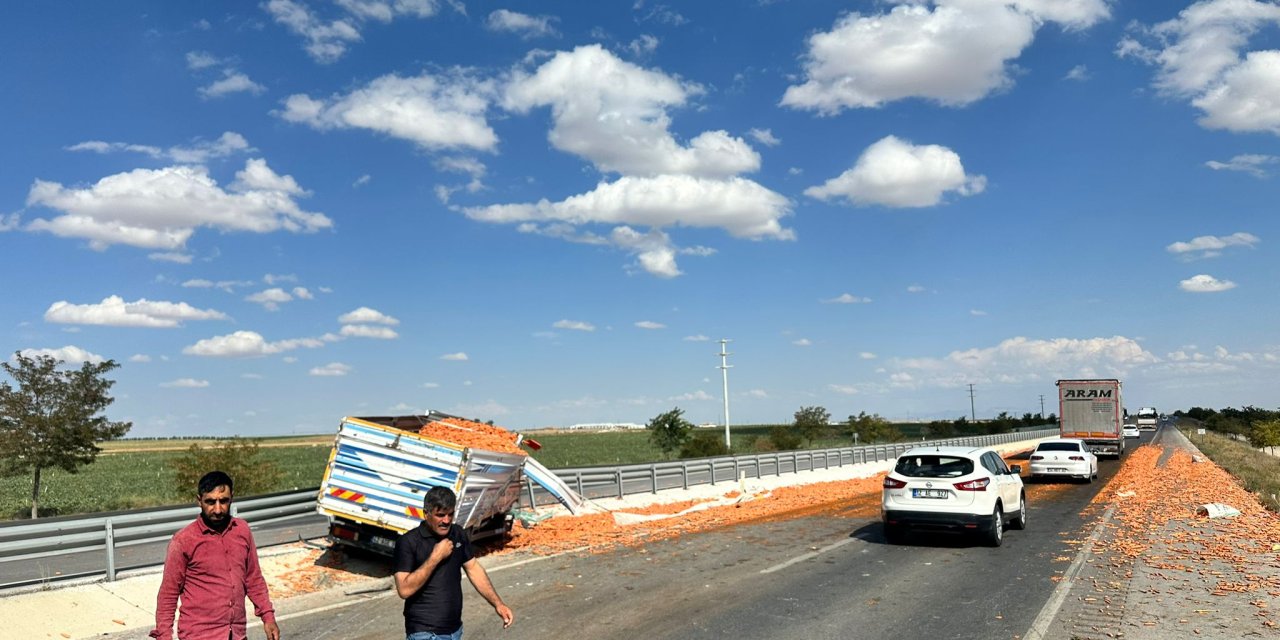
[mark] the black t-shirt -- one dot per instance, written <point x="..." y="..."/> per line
<point x="437" y="606"/>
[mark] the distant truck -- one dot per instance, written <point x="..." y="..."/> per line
<point x="1148" y="418"/>
<point x="381" y="467"/>
<point x="1092" y="411"/>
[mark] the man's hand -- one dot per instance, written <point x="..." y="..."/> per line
<point x="272" y="629"/>
<point x="505" y="613"/>
<point x="441" y="551"/>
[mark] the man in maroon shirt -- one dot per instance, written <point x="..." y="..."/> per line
<point x="211" y="565"/>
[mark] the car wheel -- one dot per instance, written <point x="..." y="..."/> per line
<point x="1020" y="521"/>
<point x="894" y="533"/>
<point x="995" y="532"/>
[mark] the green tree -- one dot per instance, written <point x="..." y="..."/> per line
<point x="812" y="423"/>
<point x="53" y="419"/>
<point x="872" y="428"/>
<point x="669" y="431"/>
<point x="704" y="445"/>
<point x="1265" y="434"/>
<point x="238" y="458"/>
<point x="939" y="429"/>
<point x="784" y="437"/>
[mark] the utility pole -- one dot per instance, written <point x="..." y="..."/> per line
<point x="1042" y="406"/>
<point x="724" y="370"/>
<point x="972" y="414"/>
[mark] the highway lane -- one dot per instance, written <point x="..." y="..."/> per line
<point x="823" y="573"/>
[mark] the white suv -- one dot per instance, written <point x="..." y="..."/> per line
<point x="953" y="488"/>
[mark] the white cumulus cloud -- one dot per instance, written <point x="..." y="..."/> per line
<point x="846" y="298"/>
<point x="271" y="299"/>
<point x="525" y="25"/>
<point x="1210" y="246"/>
<point x="455" y="357"/>
<point x="247" y="344"/>
<point x="365" y="315"/>
<point x="231" y="82"/>
<point x="739" y="206"/>
<point x="953" y="52"/>
<point x="649" y="324"/>
<point x="614" y="114"/>
<point x="185" y="383"/>
<point x="1023" y="360"/>
<point x="574" y="325"/>
<point x="368" y="331"/>
<point x="198" y="152"/>
<point x="1201" y="57"/>
<point x="69" y="354"/>
<point x="434" y="112"/>
<point x="896" y="173"/>
<point x="161" y="208"/>
<point x="114" y="311"/>
<point x="330" y="370"/>
<point x="1253" y="164"/>
<point x="1204" y="283"/>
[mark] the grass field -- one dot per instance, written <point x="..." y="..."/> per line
<point x="131" y="480"/>
<point x="181" y="444"/>
<point x="1258" y="471"/>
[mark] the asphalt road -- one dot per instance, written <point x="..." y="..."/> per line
<point x="824" y="573"/>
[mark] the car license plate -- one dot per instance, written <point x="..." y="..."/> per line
<point x="383" y="542"/>
<point x="929" y="493"/>
<point x="1057" y="470"/>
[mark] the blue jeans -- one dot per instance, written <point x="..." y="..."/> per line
<point x="427" y="635"/>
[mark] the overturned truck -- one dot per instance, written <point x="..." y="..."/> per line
<point x="381" y="467"/>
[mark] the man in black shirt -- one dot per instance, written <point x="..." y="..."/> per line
<point x="428" y="564"/>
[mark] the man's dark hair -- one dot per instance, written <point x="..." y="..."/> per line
<point x="439" y="498"/>
<point x="213" y="480"/>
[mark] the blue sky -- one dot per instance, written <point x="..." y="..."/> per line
<point x="276" y="214"/>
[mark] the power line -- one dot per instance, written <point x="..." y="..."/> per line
<point x="972" y="414"/>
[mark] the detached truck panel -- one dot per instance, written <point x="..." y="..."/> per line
<point x="379" y="471"/>
<point x="1093" y="411"/>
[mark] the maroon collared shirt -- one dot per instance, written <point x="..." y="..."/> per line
<point x="211" y="573"/>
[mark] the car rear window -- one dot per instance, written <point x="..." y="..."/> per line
<point x="1058" y="446"/>
<point x="933" y="466"/>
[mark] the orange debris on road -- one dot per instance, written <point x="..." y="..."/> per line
<point x="1157" y="524"/>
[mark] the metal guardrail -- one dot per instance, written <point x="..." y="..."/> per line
<point x="76" y="534"/>
<point x="25" y="540"/>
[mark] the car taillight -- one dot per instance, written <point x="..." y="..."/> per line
<point x="892" y="483"/>
<point x="974" y="485"/>
<point x="1077" y="458"/>
<point x="1037" y="457"/>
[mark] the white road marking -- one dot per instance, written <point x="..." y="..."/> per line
<point x="811" y="554"/>
<point x="1040" y="627"/>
